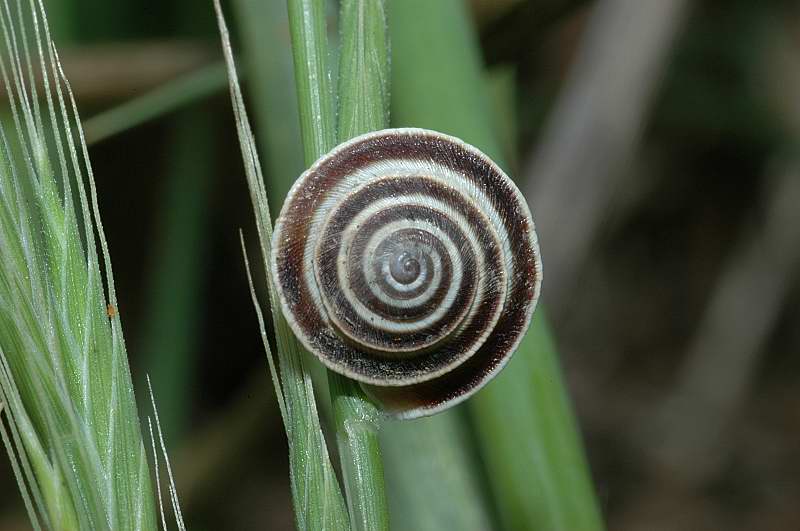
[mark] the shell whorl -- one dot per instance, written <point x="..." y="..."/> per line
<point x="407" y="260"/>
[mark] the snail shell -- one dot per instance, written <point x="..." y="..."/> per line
<point x="407" y="260"/>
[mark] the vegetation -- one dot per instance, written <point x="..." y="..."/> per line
<point x="659" y="157"/>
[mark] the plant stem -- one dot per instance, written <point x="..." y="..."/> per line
<point x="312" y="74"/>
<point x="363" y="69"/>
<point x="363" y="95"/>
<point x="363" y="107"/>
<point x="357" y="421"/>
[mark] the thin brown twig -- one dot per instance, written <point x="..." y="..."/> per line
<point x="115" y="71"/>
<point x="686" y="439"/>
<point x="594" y="128"/>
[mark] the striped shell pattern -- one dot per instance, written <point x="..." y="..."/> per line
<point x="407" y="260"/>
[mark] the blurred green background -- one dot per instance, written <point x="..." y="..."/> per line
<point x="658" y="145"/>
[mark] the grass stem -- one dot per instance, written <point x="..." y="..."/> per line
<point x="363" y="95"/>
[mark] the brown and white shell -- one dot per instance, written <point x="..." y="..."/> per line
<point x="407" y="260"/>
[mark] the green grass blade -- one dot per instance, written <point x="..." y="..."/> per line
<point x="65" y="377"/>
<point x="503" y="91"/>
<point x="425" y="458"/>
<point x="437" y="80"/>
<point x="530" y="441"/>
<point x="312" y="73"/>
<point x="363" y="68"/>
<point x="169" y="97"/>
<point x="525" y="427"/>
<point x="173" y="291"/>
<point x="264" y="28"/>
<point x="316" y="494"/>
<point x="363" y="107"/>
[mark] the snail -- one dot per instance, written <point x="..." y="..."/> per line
<point x="407" y="260"/>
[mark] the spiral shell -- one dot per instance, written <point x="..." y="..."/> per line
<point x="407" y="260"/>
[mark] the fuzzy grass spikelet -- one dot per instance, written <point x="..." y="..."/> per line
<point x="71" y="425"/>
